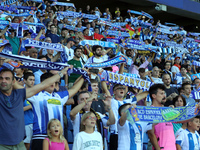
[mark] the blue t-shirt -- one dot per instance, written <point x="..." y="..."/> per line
<point x="12" y="128"/>
<point x="28" y="115"/>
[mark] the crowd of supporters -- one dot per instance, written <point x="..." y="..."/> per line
<point x="60" y="112"/>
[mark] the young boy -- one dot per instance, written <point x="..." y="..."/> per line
<point x="130" y="136"/>
<point x="189" y="138"/>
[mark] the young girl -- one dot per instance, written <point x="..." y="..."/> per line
<point x="55" y="140"/>
<point x="88" y="139"/>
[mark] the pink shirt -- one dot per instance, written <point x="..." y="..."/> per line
<point x="56" y="146"/>
<point x="165" y="135"/>
<point x="134" y="69"/>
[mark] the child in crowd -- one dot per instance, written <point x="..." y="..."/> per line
<point x="88" y="139"/>
<point x="55" y="140"/>
<point x="130" y="136"/>
<point x="188" y="139"/>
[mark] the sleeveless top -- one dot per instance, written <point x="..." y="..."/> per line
<point x="56" y="145"/>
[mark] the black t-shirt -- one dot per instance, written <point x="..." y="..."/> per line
<point x="160" y="65"/>
<point x="168" y="92"/>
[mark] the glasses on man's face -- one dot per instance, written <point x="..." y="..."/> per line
<point x="91" y="118"/>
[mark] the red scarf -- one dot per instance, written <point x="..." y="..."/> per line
<point x="179" y="66"/>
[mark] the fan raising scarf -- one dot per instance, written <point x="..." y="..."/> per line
<point x="162" y="114"/>
<point x="63" y="4"/>
<point x="45" y="45"/>
<point x="108" y="63"/>
<point x="26" y="62"/>
<point x="101" y="43"/>
<point x="125" y="80"/>
<point x="25" y="14"/>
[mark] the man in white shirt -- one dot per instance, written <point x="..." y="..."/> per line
<point x="68" y="48"/>
<point x="97" y="51"/>
<point x="155" y="75"/>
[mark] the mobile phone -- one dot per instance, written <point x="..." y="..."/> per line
<point x="101" y="96"/>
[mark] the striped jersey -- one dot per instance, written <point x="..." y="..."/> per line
<point x="46" y="106"/>
<point x="188" y="140"/>
<point x="130" y="137"/>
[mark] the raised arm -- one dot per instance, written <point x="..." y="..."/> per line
<point x="75" y="87"/>
<point x="107" y="103"/>
<point x="76" y="109"/>
<point x="46" y="83"/>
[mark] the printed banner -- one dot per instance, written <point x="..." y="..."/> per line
<point x="9" y="8"/>
<point x="194" y="76"/>
<point x="125" y="80"/>
<point x="101" y="43"/>
<point x="117" y="33"/>
<point x="45" y="45"/>
<point x="108" y="63"/>
<point x="3" y="42"/>
<point x="26" y="62"/>
<point x="63" y="4"/>
<point x="72" y="28"/>
<point x="8" y="2"/>
<point x="162" y="114"/>
<point x="25" y="14"/>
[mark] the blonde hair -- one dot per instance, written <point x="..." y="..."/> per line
<point x="83" y="118"/>
<point x="62" y="139"/>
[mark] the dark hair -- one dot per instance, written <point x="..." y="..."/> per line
<point x="42" y="56"/>
<point x="27" y="74"/>
<point x="84" y="85"/>
<point x="116" y="85"/>
<point x="176" y="99"/>
<point x="142" y="70"/>
<point x="82" y="92"/>
<point x="184" y="66"/>
<point x="95" y="47"/>
<point x="185" y="84"/>
<point x="77" y="49"/>
<point x="166" y="63"/>
<point x="45" y="76"/>
<point x="8" y="70"/>
<point x="154" y="89"/>
<point x="122" y="107"/>
<point x="194" y="80"/>
<point x="93" y="81"/>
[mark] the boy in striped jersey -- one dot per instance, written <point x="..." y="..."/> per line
<point x="188" y="139"/>
<point x="130" y="136"/>
<point x="47" y="105"/>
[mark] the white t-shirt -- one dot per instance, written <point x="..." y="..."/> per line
<point x="69" y="52"/>
<point x="76" y="123"/>
<point x="115" y="104"/>
<point x="188" y="140"/>
<point x="86" y="141"/>
<point x="157" y="80"/>
<point x="175" y="69"/>
<point x="178" y="132"/>
<point x="131" y="136"/>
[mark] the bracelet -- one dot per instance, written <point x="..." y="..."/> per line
<point x="60" y="74"/>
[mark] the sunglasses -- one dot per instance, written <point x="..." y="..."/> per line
<point x="91" y="118"/>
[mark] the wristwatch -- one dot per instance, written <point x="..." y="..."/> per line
<point x="60" y="74"/>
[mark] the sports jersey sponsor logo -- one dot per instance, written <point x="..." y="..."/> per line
<point x="54" y="101"/>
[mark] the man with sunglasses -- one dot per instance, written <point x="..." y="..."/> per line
<point x="119" y="92"/>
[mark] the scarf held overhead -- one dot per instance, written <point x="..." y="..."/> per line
<point x="108" y="63"/>
<point x="162" y="114"/>
<point x="125" y="80"/>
